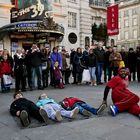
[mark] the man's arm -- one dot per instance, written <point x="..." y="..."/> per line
<point x="13" y="110"/>
<point x="106" y="91"/>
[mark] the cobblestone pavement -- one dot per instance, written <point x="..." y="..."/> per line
<point x="122" y="127"/>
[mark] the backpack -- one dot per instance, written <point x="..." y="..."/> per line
<point x="68" y="103"/>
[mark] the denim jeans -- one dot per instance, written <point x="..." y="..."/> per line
<point x="85" y="106"/>
<point x="99" y="72"/>
<point x="36" y="71"/>
<point x="92" y="73"/>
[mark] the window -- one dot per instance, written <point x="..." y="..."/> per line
<point x="134" y="21"/>
<point x="72" y="19"/>
<point x="74" y="1"/>
<point x="135" y="33"/>
<point x="134" y="11"/>
<point x="57" y="1"/>
<point x="126" y="36"/>
<point x="126" y="23"/>
<point x="87" y="41"/>
<point x="126" y="13"/>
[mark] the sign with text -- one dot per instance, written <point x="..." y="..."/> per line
<point x="31" y="10"/>
<point x="112" y="20"/>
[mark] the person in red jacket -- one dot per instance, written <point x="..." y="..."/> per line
<point x="85" y="109"/>
<point x="123" y="99"/>
<point x="5" y="69"/>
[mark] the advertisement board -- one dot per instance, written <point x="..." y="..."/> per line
<point x="31" y="10"/>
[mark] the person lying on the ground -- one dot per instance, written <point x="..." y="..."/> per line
<point x="123" y="99"/>
<point x="54" y="110"/>
<point x="84" y="108"/>
<point x="24" y="109"/>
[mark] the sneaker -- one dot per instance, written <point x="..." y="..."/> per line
<point x="101" y="108"/>
<point x="24" y="118"/>
<point x="74" y="113"/>
<point x="86" y="113"/>
<point x="94" y="84"/>
<point x="114" y="110"/>
<point x="58" y="116"/>
<point x="44" y="115"/>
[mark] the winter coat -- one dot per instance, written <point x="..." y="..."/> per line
<point x="5" y="68"/>
<point x="56" y="57"/>
<point x="43" y="102"/>
<point x="115" y="62"/>
<point x="19" y="105"/>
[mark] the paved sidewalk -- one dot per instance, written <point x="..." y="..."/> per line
<point x="122" y="127"/>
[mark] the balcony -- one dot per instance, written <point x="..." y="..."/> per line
<point x="96" y="4"/>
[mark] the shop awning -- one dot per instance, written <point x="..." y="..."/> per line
<point x="45" y="26"/>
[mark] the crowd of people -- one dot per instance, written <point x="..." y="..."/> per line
<point x="54" y="67"/>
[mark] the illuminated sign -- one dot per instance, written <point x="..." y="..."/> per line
<point x="31" y="9"/>
<point x="26" y="25"/>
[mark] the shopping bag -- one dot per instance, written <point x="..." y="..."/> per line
<point x="86" y="76"/>
<point x="7" y="80"/>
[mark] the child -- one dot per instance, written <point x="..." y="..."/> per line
<point x="58" y="83"/>
<point x="84" y="108"/>
<point x="54" y="110"/>
<point x="24" y="109"/>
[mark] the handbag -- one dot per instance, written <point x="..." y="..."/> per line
<point x="7" y="80"/>
<point x="86" y="75"/>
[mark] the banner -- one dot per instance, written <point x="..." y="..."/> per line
<point x="112" y="20"/>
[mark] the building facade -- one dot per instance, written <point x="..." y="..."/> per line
<point x="5" y="6"/>
<point x="129" y="24"/>
<point x="76" y="17"/>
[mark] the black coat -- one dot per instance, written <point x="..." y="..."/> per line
<point x="20" y="104"/>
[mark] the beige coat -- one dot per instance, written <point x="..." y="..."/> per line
<point x="115" y="58"/>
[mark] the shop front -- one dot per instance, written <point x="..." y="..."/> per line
<point x="31" y="23"/>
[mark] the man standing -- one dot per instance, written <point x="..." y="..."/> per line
<point x="100" y="54"/>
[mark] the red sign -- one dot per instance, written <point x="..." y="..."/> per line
<point x="112" y="20"/>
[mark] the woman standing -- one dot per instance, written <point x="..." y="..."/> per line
<point x="20" y="70"/>
<point x="77" y="61"/>
<point x="92" y="62"/>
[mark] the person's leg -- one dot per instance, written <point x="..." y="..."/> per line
<point x="24" y="118"/>
<point x="33" y="77"/>
<point x="56" y="113"/>
<point x="39" y="76"/>
<point x="135" y="110"/>
<point x="89" y="108"/>
<point x="70" y="114"/>
<point x="37" y="113"/>
<point x="93" y="76"/>
<point x="125" y="104"/>
<point x="50" y="111"/>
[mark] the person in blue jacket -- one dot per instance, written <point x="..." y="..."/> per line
<point x="54" y="110"/>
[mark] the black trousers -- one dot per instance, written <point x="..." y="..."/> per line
<point x="20" y="80"/>
<point x="33" y="111"/>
